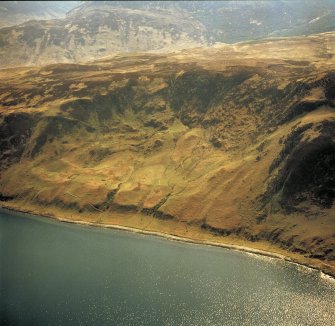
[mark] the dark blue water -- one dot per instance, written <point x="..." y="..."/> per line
<point x="54" y="273"/>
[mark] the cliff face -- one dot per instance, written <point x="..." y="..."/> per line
<point x="233" y="139"/>
<point x="97" y="29"/>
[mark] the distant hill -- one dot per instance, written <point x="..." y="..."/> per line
<point x="97" y="29"/>
<point x="236" y="21"/>
<point x="17" y="12"/>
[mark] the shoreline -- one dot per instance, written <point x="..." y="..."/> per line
<point x="178" y="238"/>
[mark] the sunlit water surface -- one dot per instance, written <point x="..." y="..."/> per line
<point x="54" y="273"/>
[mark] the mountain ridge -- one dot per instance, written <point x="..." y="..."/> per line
<point x="17" y="12"/>
<point x="96" y="29"/>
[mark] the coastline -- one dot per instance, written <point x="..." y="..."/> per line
<point x="327" y="273"/>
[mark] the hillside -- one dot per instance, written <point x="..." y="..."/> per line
<point x="96" y="29"/>
<point x="235" y="141"/>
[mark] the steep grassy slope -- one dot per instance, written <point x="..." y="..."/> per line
<point x="233" y="140"/>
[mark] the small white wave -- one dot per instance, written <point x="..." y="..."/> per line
<point x="327" y="278"/>
<point x="314" y="20"/>
<point x="261" y="257"/>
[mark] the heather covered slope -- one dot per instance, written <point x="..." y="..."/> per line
<point x="234" y="140"/>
